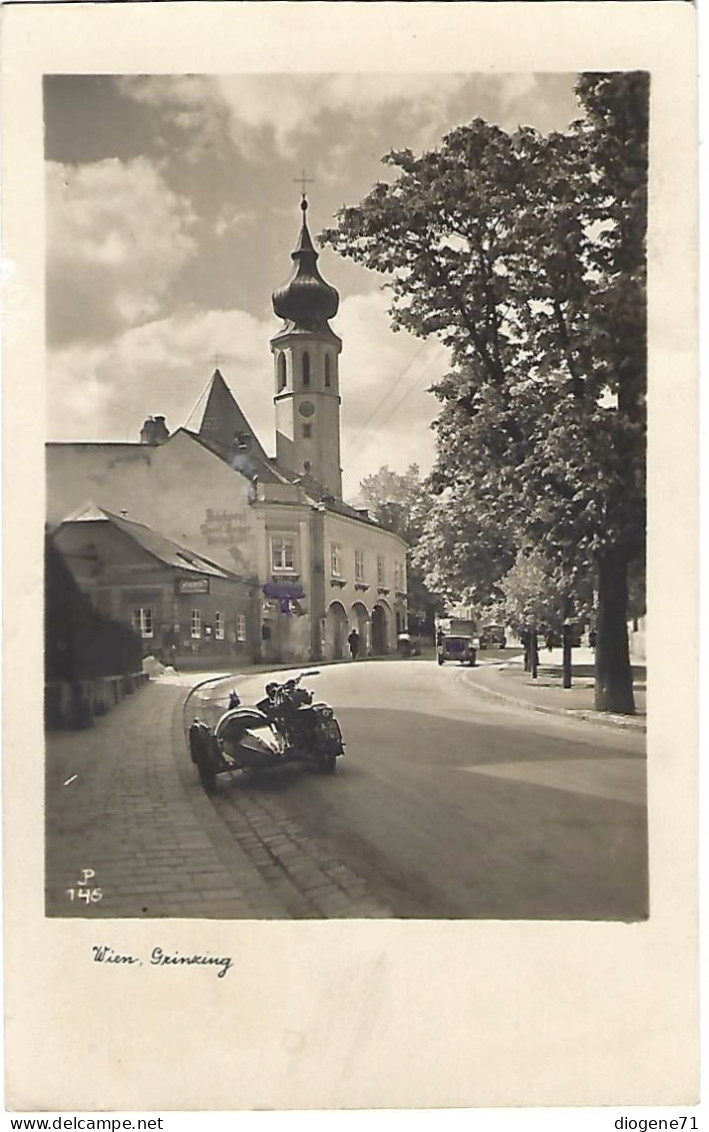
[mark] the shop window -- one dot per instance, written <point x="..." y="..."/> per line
<point x="282" y="554"/>
<point x="306" y="368"/>
<point x="335" y="560"/>
<point x="281" y="372"/>
<point x="359" y="565"/>
<point x="196" y="624"/>
<point x="381" y="570"/>
<point x="219" y="626"/>
<point x="328" y="374"/>
<point x="142" y="621"/>
<point x="241" y="626"/>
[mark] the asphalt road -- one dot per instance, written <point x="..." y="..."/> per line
<point x="451" y="806"/>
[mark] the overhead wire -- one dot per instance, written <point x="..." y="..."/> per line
<point x="397" y="404"/>
<point x="363" y="428"/>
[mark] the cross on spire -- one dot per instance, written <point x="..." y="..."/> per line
<point x="303" y="181"/>
<point x="217" y="359"/>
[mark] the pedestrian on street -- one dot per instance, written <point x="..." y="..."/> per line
<point x="353" y="642"/>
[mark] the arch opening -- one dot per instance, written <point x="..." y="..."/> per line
<point x="335" y="631"/>
<point x="380" y="629"/>
<point x="282" y="377"/>
<point x="360" y="620"/>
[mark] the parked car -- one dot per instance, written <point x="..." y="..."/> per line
<point x="493" y="637"/>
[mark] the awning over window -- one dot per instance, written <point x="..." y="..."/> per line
<point x="284" y="589"/>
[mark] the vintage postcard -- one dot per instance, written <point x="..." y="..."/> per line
<point x="351" y="542"/>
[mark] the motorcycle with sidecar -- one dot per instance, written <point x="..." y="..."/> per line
<point x="285" y="726"/>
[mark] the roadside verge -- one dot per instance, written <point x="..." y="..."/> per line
<point x="508" y="683"/>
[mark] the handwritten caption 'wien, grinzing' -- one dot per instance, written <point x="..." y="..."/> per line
<point x="159" y="958"/>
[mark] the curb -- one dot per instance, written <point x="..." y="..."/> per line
<point x="581" y="715"/>
<point x="247" y="880"/>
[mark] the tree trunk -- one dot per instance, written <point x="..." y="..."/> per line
<point x="614" y="678"/>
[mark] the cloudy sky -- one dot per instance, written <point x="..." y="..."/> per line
<point x="172" y="210"/>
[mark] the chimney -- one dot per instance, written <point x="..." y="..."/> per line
<point x="161" y="430"/>
<point x="154" y="431"/>
<point x="147" y="432"/>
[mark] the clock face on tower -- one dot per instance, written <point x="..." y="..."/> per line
<point x="306" y="409"/>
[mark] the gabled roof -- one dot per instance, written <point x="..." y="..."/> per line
<point x="225" y="430"/>
<point x="158" y="546"/>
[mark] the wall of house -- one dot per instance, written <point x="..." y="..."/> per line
<point x="360" y="597"/>
<point x="636" y="640"/>
<point x="179" y="488"/>
<point x="188" y="494"/>
<point x="119" y="577"/>
<point x="286" y="625"/>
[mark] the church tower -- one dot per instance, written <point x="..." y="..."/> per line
<point x="305" y="361"/>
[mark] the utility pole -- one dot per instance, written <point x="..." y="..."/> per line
<point x="566" y="643"/>
<point x="531" y="650"/>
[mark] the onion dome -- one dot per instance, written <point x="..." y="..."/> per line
<point x="306" y="301"/>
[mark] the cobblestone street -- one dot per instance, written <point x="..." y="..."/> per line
<point x="123" y="800"/>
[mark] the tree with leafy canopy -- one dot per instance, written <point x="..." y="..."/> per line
<point x="530" y="591"/>
<point x="525" y="254"/>
<point x="399" y="501"/>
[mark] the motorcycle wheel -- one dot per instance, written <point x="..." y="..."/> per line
<point x="206" y="769"/>
<point x="326" y="761"/>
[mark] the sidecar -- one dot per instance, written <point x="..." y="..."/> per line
<point x="243" y="739"/>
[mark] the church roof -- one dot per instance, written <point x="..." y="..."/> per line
<point x="306" y="301"/>
<point x="158" y="546"/>
<point x="225" y="430"/>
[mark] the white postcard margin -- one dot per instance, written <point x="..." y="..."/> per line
<point x="386" y="1014"/>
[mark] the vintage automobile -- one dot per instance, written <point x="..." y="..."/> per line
<point x="463" y="649"/>
<point x="493" y="637"/>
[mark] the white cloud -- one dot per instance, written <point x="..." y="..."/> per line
<point x="290" y="105"/>
<point x="384" y="382"/>
<point x="116" y="238"/>
<point x="106" y="392"/>
<point x="415" y="108"/>
<point x="231" y="219"/>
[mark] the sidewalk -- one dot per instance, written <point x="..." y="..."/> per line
<point x="116" y="804"/>
<point x="507" y="681"/>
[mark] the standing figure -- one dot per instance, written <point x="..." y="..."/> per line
<point x="353" y="642"/>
